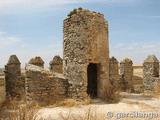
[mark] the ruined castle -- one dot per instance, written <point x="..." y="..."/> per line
<point x="85" y="70"/>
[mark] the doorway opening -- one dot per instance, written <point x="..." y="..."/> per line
<point x="92" y="80"/>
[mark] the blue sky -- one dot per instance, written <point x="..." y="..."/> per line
<point x="31" y="28"/>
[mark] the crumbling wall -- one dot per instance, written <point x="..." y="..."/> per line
<point x="126" y="73"/>
<point x="150" y="72"/>
<point x="56" y="65"/>
<point x="2" y="89"/>
<point x="44" y="87"/>
<point x="85" y="42"/>
<point x="113" y="71"/>
<point x="14" y="82"/>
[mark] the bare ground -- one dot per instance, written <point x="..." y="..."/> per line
<point x="130" y="103"/>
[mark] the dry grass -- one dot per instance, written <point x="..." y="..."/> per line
<point x="18" y="110"/>
<point x="157" y="91"/>
<point x="71" y="102"/>
<point x="22" y="113"/>
<point x="90" y="114"/>
<point x="112" y="94"/>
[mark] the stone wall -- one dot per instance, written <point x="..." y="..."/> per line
<point x="150" y="72"/>
<point x="14" y="81"/>
<point x="2" y="89"/>
<point x="85" y="43"/>
<point x="44" y="87"/>
<point x="113" y="71"/>
<point x="126" y="73"/>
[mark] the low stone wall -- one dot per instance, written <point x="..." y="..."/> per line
<point x="44" y="87"/>
<point x="2" y="89"/>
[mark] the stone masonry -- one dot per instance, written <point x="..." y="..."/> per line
<point x="2" y="89"/>
<point x="126" y="73"/>
<point x="86" y="54"/>
<point x="150" y="72"/>
<point x="56" y="65"/>
<point x="14" y="82"/>
<point x="43" y="87"/>
<point x="113" y="71"/>
<point x="37" y="61"/>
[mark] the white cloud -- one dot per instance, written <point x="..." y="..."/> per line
<point x="148" y="16"/>
<point x="137" y="51"/>
<point x="5" y="4"/>
<point x="35" y="3"/>
<point x="20" y="6"/>
<point x="8" y="45"/>
<point x="24" y="51"/>
<point x="7" y="40"/>
<point x="155" y="16"/>
<point x="137" y="46"/>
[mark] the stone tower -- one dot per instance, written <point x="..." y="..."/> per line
<point x="37" y="61"/>
<point x="150" y="72"/>
<point x="56" y="65"/>
<point x="126" y="72"/>
<point x="14" y="85"/>
<point x="86" y="54"/>
<point x="113" y="71"/>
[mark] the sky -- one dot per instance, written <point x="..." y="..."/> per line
<point x="30" y="28"/>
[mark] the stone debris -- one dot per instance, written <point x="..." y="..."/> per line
<point x="31" y="67"/>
